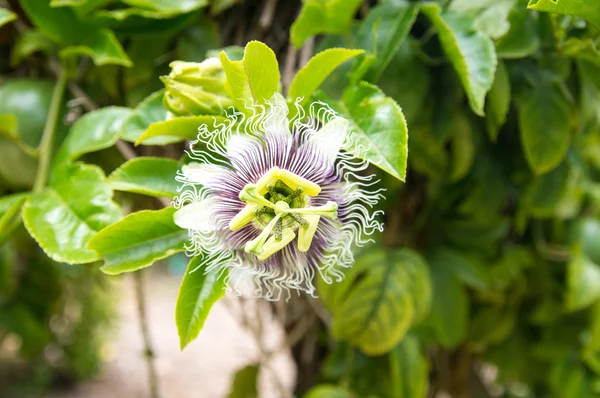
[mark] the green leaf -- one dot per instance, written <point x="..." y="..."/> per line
<point x="466" y="269"/>
<point x="29" y="43"/>
<point x="376" y="303"/>
<point x="199" y="291"/>
<point x="463" y="147"/>
<point x="310" y="77"/>
<point x="546" y="192"/>
<point x="178" y="129"/>
<point x="583" y="281"/>
<point x="6" y="16"/>
<point x="10" y="213"/>
<point x="255" y="78"/>
<point x="18" y="165"/>
<point x="449" y="326"/>
<point x="471" y="53"/>
<point x="498" y="104"/>
<point x="64" y="216"/>
<point x="323" y="16"/>
<point x="168" y="6"/>
<point x="94" y="131"/>
<point x="328" y="391"/>
<point x="409" y="371"/>
<point x="62" y="26"/>
<point x="146" y="175"/>
<point x="102" y="47"/>
<point x="245" y="383"/>
<point x="587" y="9"/>
<point x="149" y="111"/>
<point x="379" y="125"/>
<point x="522" y="39"/>
<point x="383" y="31"/>
<point x="545" y="122"/>
<point x="138" y="240"/>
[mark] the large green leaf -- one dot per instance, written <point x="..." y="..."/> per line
<point x="408" y="369"/>
<point x="383" y="31"/>
<point x="177" y="129"/>
<point x="199" y="291"/>
<point x="96" y="130"/>
<point x="498" y="104"/>
<point x="310" y="77"/>
<point x="64" y="216"/>
<point x="255" y="78"/>
<point x="522" y="38"/>
<point x="6" y="16"/>
<point x="588" y="9"/>
<point x="380" y="297"/>
<point x="545" y="193"/>
<point x="545" y="120"/>
<point x="379" y="125"/>
<point x="62" y="25"/>
<point x="450" y="307"/>
<point x="323" y="16"/>
<point x="583" y="281"/>
<point x="138" y="240"/>
<point x="146" y="175"/>
<point x="471" y="53"/>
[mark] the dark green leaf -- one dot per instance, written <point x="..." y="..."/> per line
<point x="471" y="53"/>
<point x="148" y="176"/>
<point x="546" y="192"/>
<point x="545" y="121"/>
<point x="385" y="28"/>
<point x="138" y="240"/>
<point x="409" y="370"/>
<point x="522" y="39"/>
<point x="498" y="103"/>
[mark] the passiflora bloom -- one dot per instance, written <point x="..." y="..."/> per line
<point x="276" y="200"/>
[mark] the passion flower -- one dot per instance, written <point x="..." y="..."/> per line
<point x="278" y="200"/>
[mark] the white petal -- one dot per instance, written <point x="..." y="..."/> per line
<point x="276" y="118"/>
<point x="201" y="173"/>
<point x="195" y="216"/>
<point x="331" y="137"/>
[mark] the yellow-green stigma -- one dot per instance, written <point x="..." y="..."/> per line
<point x="279" y="205"/>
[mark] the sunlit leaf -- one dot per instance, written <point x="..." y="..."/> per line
<point x="147" y="176"/>
<point x="587" y="9"/>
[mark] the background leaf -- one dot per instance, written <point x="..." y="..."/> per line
<point x="586" y="9"/>
<point x="6" y="16"/>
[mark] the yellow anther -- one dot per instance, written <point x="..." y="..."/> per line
<point x="306" y="234"/>
<point x="250" y="194"/>
<point x="270" y="178"/>
<point x="256" y="245"/>
<point x="328" y="210"/>
<point x="272" y="245"/>
<point x="294" y="181"/>
<point x="244" y="217"/>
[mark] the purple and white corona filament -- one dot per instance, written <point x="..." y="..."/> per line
<point x="276" y="200"/>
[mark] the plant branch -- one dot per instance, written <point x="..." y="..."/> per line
<point x="43" y="169"/>
<point x="148" y="350"/>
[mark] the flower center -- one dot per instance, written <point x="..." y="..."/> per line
<point x="279" y="205"/>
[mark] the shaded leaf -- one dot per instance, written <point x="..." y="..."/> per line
<point x="328" y="391"/>
<point x="138" y="240"/>
<point x="245" y="383"/>
<point x="498" y="103"/>
<point x="583" y="281"/>
<point x="6" y="16"/>
<point x="409" y="370"/>
<point x="147" y="176"/>
<point x="471" y="53"/>
<point x="522" y="38"/>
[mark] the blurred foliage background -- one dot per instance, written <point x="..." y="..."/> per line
<point x="486" y="281"/>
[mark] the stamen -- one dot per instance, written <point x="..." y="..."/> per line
<point x="250" y="195"/>
<point x="295" y="181"/>
<point x="256" y="245"/>
<point x="275" y="197"/>
<point x="272" y="246"/>
<point x="328" y="210"/>
<point x="299" y="219"/>
<point x="299" y="191"/>
<point x="306" y="234"/>
<point x="278" y="230"/>
<point x="244" y="217"/>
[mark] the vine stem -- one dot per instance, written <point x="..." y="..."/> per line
<point x="58" y="93"/>
<point x="148" y="350"/>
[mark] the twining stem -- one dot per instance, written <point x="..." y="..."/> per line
<point x="58" y="93"/>
<point x="148" y="351"/>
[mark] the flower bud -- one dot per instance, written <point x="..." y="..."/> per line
<point x="196" y="88"/>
